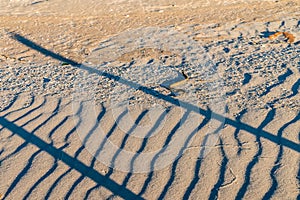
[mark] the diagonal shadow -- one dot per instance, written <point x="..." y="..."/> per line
<point x="166" y="143"/>
<point x="237" y="131"/>
<point x="242" y="191"/>
<point x="175" y="164"/>
<point x="143" y="145"/>
<point x="122" y="146"/>
<point x="214" y="193"/>
<point x="277" y="163"/>
<point x="242" y="126"/>
<point x="70" y="161"/>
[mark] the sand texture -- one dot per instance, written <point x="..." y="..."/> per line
<point x="149" y="100"/>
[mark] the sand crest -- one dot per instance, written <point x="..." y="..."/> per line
<point x="91" y="107"/>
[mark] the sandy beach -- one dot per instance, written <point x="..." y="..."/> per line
<point x="149" y="100"/>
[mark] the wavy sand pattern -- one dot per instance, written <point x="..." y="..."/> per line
<point x="255" y="155"/>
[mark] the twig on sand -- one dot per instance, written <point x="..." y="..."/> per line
<point x="290" y="37"/>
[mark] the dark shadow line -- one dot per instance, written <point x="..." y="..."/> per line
<point x="78" y="112"/>
<point x="237" y="131"/>
<point x="31" y="120"/>
<point x="215" y="191"/>
<point x="55" y="165"/>
<point x="281" y="80"/>
<point x="76" y="154"/>
<point x="167" y="141"/>
<point x="19" y="109"/>
<point x="1" y="151"/>
<point x="99" y="117"/>
<point x="198" y="165"/>
<point x="19" y="148"/>
<point x="61" y="123"/>
<point x="143" y="145"/>
<point x="87" y="194"/>
<point x="146" y="90"/>
<point x="70" y="161"/>
<point x="24" y="144"/>
<point x="174" y="166"/>
<point x="11" y="103"/>
<point x="76" y="183"/>
<point x="277" y="163"/>
<point x="122" y="146"/>
<point x="294" y="89"/>
<point x="81" y="148"/>
<point x="242" y="191"/>
<point x="42" y="50"/>
<point x="47" y="174"/>
<point x="21" y="174"/>
<point x="47" y="196"/>
<point x="27" y="113"/>
<point x="115" y="125"/>
<point x="55" y="112"/>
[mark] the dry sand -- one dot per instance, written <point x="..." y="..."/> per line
<point x="59" y="63"/>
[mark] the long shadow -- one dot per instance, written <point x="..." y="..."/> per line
<point x="294" y="90"/>
<point x="143" y="145"/>
<point x="24" y="144"/>
<point x="281" y="80"/>
<point x="166" y="143"/>
<point x="68" y="160"/>
<point x="277" y="163"/>
<point x="287" y="143"/>
<point x="41" y="179"/>
<point x="237" y="131"/>
<point x="55" y="164"/>
<point x="77" y="153"/>
<point x="215" y="191"/>
<point x="140" y="117"/>
<point x="68" y="135"/>
<point x="25" y="170"/>
<point x="81" y="178"/>
<point x="88" y="171"/>
<point x="28" y="112"/>
<point x="137" y="121"/>
<point x="241" y="193"/>
<point x="88" y="193"/>
<point x="101" y="146"/>
<point x="11" y="103"/>
<point x="22" y="173"/>
<point x="174" y="166"/>
<point x="198" y="165"/>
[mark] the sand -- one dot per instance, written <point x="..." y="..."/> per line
<point x="87" y="111"/>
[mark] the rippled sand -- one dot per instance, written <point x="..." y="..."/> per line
<point x="56" y="57"/>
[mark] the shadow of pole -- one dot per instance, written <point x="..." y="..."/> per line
<point x="70" y="161"/>
<point x="242" y="126"/>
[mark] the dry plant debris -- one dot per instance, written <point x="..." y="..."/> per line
<point x="290" y="37"/>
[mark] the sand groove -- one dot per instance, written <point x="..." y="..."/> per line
<point x="38" y="135"/>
